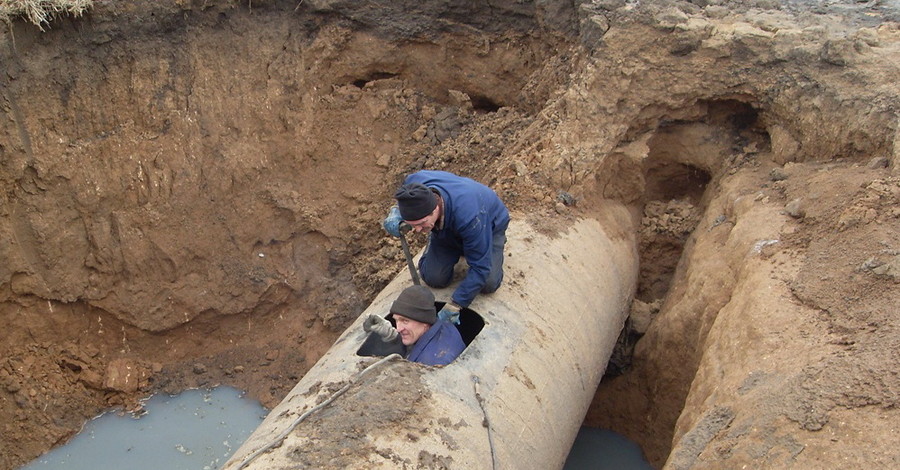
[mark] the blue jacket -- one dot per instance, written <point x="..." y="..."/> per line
<point x="439" y="346"/>
<point x="472" y="212"/>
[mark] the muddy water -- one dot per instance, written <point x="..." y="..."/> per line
<point x="602" y="449"/>
<point x="197" y="429"/>
<point x="200" y="429"/>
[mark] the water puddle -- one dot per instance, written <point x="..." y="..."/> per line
<point x="200" y="429"/>
<point x="602" y="449"/>
<point x="195" y="430"/>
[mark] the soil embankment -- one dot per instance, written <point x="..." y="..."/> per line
<point x="192" y="194"/>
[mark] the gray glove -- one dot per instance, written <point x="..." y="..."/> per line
<point x="380" y="326"/>
<point x="392" y="222"/>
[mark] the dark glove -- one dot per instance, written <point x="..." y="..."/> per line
<point x="450" y="313"/>
<point x="392" y="222"/>
<point x="379" y="326"/>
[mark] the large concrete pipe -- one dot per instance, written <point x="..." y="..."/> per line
<point x="514" y="399"/>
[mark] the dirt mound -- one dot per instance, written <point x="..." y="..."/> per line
<point x="193" y="193"/>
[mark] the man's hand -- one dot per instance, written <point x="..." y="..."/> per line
<point x="380" y="326"/>
<point x="450" y="313"/>
<point x="392" y="222"/>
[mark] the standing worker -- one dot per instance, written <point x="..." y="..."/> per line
<point x="463" y="218"/>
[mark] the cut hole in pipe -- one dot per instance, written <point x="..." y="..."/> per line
<point x="470" y="325"/>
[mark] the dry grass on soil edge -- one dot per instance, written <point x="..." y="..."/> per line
<point x="40" y="12"/>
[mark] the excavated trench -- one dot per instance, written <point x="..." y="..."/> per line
<point x="192" y="193"/>
<point x="684" y="160"/>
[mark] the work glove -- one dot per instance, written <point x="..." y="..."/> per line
<point x="450" y="313"/>
<point x="380" y="326"/>
<point x="392" y="222"/>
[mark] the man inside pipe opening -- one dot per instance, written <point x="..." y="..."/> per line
<point x="425" y="338"/>
<point x="462" y="217"/>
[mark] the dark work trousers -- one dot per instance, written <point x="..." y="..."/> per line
<point x="436" y="264"/>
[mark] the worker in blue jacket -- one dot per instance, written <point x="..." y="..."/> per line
<point x="463" y="218"/>
<point x="426" y="339"/>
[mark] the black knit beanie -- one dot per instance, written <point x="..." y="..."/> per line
<point x="415" y="201"/>
<point x="416" y="302"/>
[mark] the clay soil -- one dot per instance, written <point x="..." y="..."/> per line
<point x="192" y="194"/>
